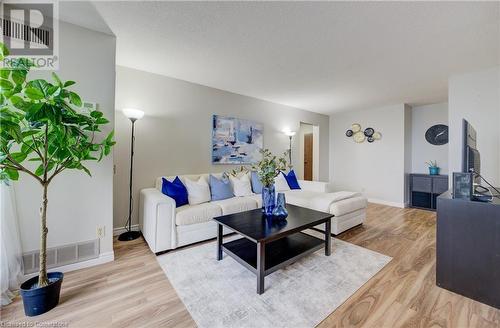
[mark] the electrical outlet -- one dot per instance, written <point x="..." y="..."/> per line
<point x="100" y="232"/>
<point x="90" y="105"/>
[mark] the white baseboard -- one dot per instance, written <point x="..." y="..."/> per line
<point x="385" y="202"/>
<point x="103" y="258"/>
<point x="118" y="231"/>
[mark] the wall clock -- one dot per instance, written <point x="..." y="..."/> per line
<point x="437" y="135"/>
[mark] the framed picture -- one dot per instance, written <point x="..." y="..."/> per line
<point x="463" y="184"/>
<point x="236" y="141"/>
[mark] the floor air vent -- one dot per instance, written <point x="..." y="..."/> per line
<point x="62" y="255"/>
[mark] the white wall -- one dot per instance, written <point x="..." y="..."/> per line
<point x="376" y="169"/>
<point x="77" y="203"/>
<point x="174" y="136"/>
<point x="423" y="117"/>
<point x="476" y="97"/>
<point x="408" y="147"/>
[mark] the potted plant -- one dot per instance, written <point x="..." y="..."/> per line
<point x="267" y="169"/>
<point x="433" y="168"/>
<point x="44" y="131"/>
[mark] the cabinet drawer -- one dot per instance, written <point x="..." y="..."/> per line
<point x="422" y="184"/>
<point x="439" y="185"/>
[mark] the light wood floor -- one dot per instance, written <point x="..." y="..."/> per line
<point x="132" y="291"/>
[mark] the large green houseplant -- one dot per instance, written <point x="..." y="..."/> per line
<point x="44" y="131"/>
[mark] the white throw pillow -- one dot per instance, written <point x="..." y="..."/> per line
<point x="280" y="183"/>
<point x="198" y="191"/>
<point x="241" y="185"/>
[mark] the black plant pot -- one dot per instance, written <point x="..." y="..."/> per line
<point x="40" y="300"/>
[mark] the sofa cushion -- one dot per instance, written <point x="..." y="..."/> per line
<point x="348" y="205"/>
<point x="256" y="184"/>
<point x="198" y="191"/>
<point x="220" y="188"/>
<point x="192" y="214"/>
<point x="304" y="198"/>
<point x="280" y="183"/>
<point x="175" y="190"/>
<point x="324" y="202"/>
<point x="257" y="198"/>
<point x="236" y="204"/>
<point x="241" y="185"/>
<point x="291" y="179"/>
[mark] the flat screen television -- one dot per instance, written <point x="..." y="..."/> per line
<point x="471" y="159"/>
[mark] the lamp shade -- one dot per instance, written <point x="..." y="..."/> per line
<point x="133" y="114"/>
<point x="289" y="133"/>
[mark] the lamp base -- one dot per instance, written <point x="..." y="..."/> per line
<point x="129" y="235"/>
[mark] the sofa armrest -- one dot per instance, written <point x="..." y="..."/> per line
<point x="157" y="219"/>
<point x="317" y="186"/>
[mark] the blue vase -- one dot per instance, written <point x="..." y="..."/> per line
<point x="268" y="200"/>
<point x="433" y="170"/>
<point x="280" y="208"/>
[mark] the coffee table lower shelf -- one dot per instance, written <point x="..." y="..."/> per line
<point x="278" y="253"/>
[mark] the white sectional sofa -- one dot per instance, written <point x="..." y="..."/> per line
<point x="166" y="227"/>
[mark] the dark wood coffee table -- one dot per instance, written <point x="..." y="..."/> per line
<point x="268" y="244"/>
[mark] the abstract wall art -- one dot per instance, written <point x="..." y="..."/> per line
<point x="236" y="141"/>
<point x="359" y="136"/>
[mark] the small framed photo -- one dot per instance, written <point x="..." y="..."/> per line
<point x="463" y="184"/>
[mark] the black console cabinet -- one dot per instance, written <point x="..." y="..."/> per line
<point x="468" y="248"/>
<point x="425" y="188"/>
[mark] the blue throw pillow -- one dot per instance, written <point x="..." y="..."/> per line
<point x="176" y="190"/>
<point x="256" y="184"/>
<point x="291" y="179"/>
<point x="220" y="188"/>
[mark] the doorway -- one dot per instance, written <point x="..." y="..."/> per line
<point x="309" y="151"/>
<point x="308" y="156"/>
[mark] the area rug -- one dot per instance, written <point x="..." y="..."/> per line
<point x="223" y="294"/>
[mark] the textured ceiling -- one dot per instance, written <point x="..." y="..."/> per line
<point x="320" y="56"/>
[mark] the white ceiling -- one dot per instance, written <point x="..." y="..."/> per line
<point x="320" y="56"/>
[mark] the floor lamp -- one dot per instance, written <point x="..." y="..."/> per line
<point x="133" y="115"/>
<point x="290" y="134"/>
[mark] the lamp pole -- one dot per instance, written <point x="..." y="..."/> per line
<point x="129" y="234"/>
<point x="290" y="135"/>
